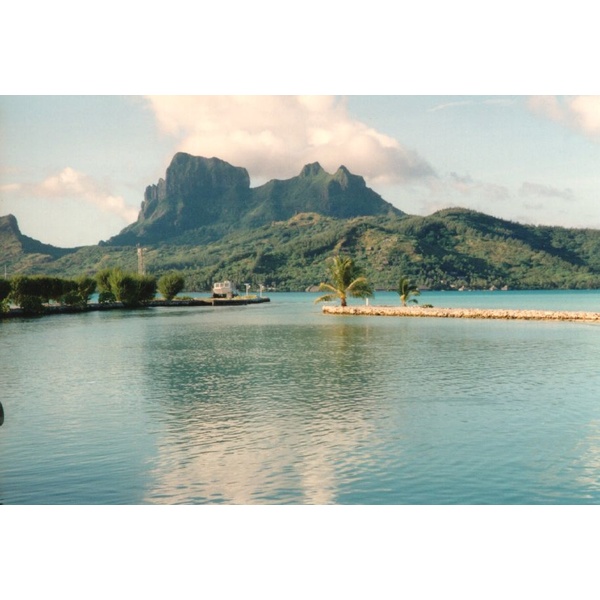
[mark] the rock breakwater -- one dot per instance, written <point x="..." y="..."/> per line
<point x="464" y="313"/>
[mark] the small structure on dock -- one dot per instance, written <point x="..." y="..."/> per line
<point x="224" y="289"/>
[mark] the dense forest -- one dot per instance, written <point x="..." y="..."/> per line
<point x="450" y="249"/>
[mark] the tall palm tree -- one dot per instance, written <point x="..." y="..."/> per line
<point x="407" y="290"/>
<point x="346" y="280"/>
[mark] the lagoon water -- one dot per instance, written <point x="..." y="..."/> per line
<point x="280" y="404"/>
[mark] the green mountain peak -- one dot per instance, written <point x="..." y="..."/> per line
<point x="210" y="197"/>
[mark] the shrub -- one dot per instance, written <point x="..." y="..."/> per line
<point x="103" y="280"/>
<point x="21" y="287"/>
<point x="106" y="297"/>
<point x="77" y="292"/>
<point x="86" y="286"/>
<point x="32" y="305"/>
<point x="5" y="289"/>
<point x="129" y="288"/>
<point x="146" y="288"/>
<point x="170" y="285"/>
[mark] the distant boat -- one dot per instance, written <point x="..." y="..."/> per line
<point x="224" y="289"/>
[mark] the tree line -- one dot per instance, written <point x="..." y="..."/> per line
<point x="33" y="293"/>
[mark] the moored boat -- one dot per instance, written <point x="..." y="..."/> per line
<point x="224" y="289"/>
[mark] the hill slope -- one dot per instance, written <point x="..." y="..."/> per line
<point x="446" y="250"/>
<point x="16" y="247"/>
<point x="205" y="221"/>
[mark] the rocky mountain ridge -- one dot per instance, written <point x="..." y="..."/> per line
<point x="214" y="197"/>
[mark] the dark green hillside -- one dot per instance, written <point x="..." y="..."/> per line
<point x="205" y="221"/>
<point x="449" y="249"/>
<point x="478" y="249"/>
<point x="341" y="195"/>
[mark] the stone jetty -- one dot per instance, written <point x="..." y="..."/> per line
<point x="463" y="313"/>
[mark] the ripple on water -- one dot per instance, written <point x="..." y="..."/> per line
<point x="198" y="407"/>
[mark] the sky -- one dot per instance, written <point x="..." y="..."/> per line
<point x="73" y="169"/>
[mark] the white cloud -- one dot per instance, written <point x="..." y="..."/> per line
<point x="467" y="186"/>
<point x="450" y="105"/>
<point x="487" y="101"/>
<point x="71" y="184"/>
<point x="10" y="187"/>
<point x="581" y="113"/>
<point x="275" y="136"/>
<point x="539" y="189"/>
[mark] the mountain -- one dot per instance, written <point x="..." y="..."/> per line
<point x="15" y="245"/>
<point x="204" y="220"/>
<point x="202" y="199"/>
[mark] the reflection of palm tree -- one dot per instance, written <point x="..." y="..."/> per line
<point x="406" y="289"/>
<point x="346" y="280"/>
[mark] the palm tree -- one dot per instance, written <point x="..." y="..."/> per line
<point x="346" y="280"/>
<point x="406" y="289"/>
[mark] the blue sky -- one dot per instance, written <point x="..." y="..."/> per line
<point x="73" y="169"/>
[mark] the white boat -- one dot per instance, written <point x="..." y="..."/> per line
<point x="224" y="289"/>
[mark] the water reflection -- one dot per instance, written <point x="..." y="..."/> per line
<point x="264" y="415"/>
<point x="356" y="409"/>
<point x="587" y="466"/>
<point x="283" y="405"/>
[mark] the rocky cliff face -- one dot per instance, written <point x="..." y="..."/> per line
<point x="196" y="192"/>
<point x="208" y="193"/>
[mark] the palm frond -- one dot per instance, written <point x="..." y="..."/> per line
<point x="346" y="279"/>
<point x="326" y="298"/>
<point x="360" y="288"/>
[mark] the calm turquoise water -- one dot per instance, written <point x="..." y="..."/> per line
<point x="279" y="404"/>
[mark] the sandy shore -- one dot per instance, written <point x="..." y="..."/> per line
<point x="463" y="313"/>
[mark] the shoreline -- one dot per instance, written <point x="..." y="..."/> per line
<point x="464" y="313"/>
<point x="96" y="306"/>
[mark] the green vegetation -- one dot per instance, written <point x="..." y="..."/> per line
<point x="170" y="285"/>
<point x="347" y="279"/>
<point x="31" y="293"/>
<point x="407" y="291"/>
<point x="79" y="291"/>
<point x="204" y="221"/>
<point x="4" y="294"/>
<point x="447" y="250"/>
<point x="129" y="288"/>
